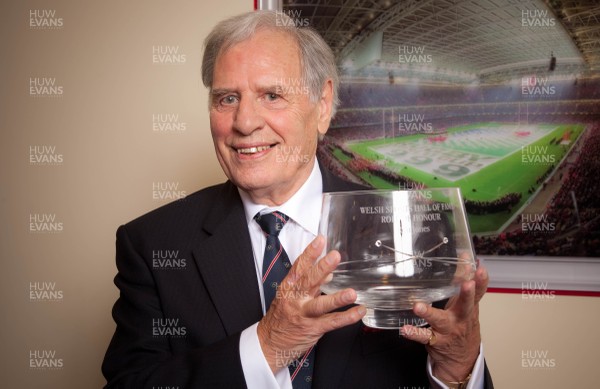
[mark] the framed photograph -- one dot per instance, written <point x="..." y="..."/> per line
<point x="498" y="98"/>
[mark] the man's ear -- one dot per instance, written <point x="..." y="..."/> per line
<point x="325" y="107"/>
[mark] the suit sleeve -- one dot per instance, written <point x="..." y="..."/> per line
<point x="137" y="359"/>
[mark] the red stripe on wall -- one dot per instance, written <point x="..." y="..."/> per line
<point x="583" y="293"/>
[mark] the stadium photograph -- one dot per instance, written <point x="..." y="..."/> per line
<point x="499" y="98"/>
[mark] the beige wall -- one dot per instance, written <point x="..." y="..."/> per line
<point x="102" y="125"/>
<point x="546" y="342"/>
<point x="101" y="128"/>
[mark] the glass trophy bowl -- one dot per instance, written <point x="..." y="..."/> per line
<point x="398" y="248"/>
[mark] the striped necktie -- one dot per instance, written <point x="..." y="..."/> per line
<point x="276" y="265"/>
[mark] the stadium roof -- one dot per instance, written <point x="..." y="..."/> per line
<point x="488" y="40"/>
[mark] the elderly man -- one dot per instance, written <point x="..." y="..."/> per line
<point x="246" y="310"/>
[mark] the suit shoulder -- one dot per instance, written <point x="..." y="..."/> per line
<point x="182" y="212"/>
<point x="336" y="184"/>
<point x="333" y="183"/>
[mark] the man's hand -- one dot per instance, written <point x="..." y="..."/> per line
<point x="299" y="315"/>
<point x="454" y="345"/>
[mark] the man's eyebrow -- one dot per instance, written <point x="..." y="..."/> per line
<point x="272" y="88"/>
<point x="220" y="91"/>
<point x="276" y="87"/>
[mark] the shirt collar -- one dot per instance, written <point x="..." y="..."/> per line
<point x="304" y="207"/>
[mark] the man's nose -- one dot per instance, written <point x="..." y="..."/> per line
<point x="247" y="117"/>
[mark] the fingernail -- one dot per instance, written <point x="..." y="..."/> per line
<point x="362" y="310"/>
<point x="348" y="296"/>
<point x="420" y="308"/>
<point x="329" y="259"/>
<point x="316" y="241"/>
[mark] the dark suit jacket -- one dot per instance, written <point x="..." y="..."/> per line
<point x="210" y="294"/>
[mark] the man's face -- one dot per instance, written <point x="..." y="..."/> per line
<point x="263" y="124"/>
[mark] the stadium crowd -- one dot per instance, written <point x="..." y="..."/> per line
<point x="503" y="204"/>
<point x="381" y="94"/>
<point x="571" y="221"/>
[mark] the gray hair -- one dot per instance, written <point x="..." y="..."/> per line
<point x="316" y="58"/>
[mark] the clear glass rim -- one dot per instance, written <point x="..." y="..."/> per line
<point x="386" y="191"/>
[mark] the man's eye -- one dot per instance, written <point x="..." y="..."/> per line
<point x="272" y="96"/>
<point x="228" y="100"/>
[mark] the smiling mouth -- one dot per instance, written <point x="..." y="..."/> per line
<point x="253" y="150"/>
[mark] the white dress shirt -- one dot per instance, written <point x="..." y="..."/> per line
<point x="304" y="210"/>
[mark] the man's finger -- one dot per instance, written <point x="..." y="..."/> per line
<point x="481" y="283"/>
<point x="437" y="318"/>
<point x="334" y="320"/>
<point x="327" y="303"/>
<point x="466" y="300"/>
<point x="307" y="259"/>
<point x="314" y="277"/>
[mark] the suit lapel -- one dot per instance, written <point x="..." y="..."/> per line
<point x="227" y="268"/>
<point x="226" y="263"/>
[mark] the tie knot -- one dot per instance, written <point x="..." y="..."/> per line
<point x="271" y="223"/>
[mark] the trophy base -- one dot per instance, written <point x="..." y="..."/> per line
<point x="390" y="319"/>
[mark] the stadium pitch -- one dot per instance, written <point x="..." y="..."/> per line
<point x="486" y="160"/>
